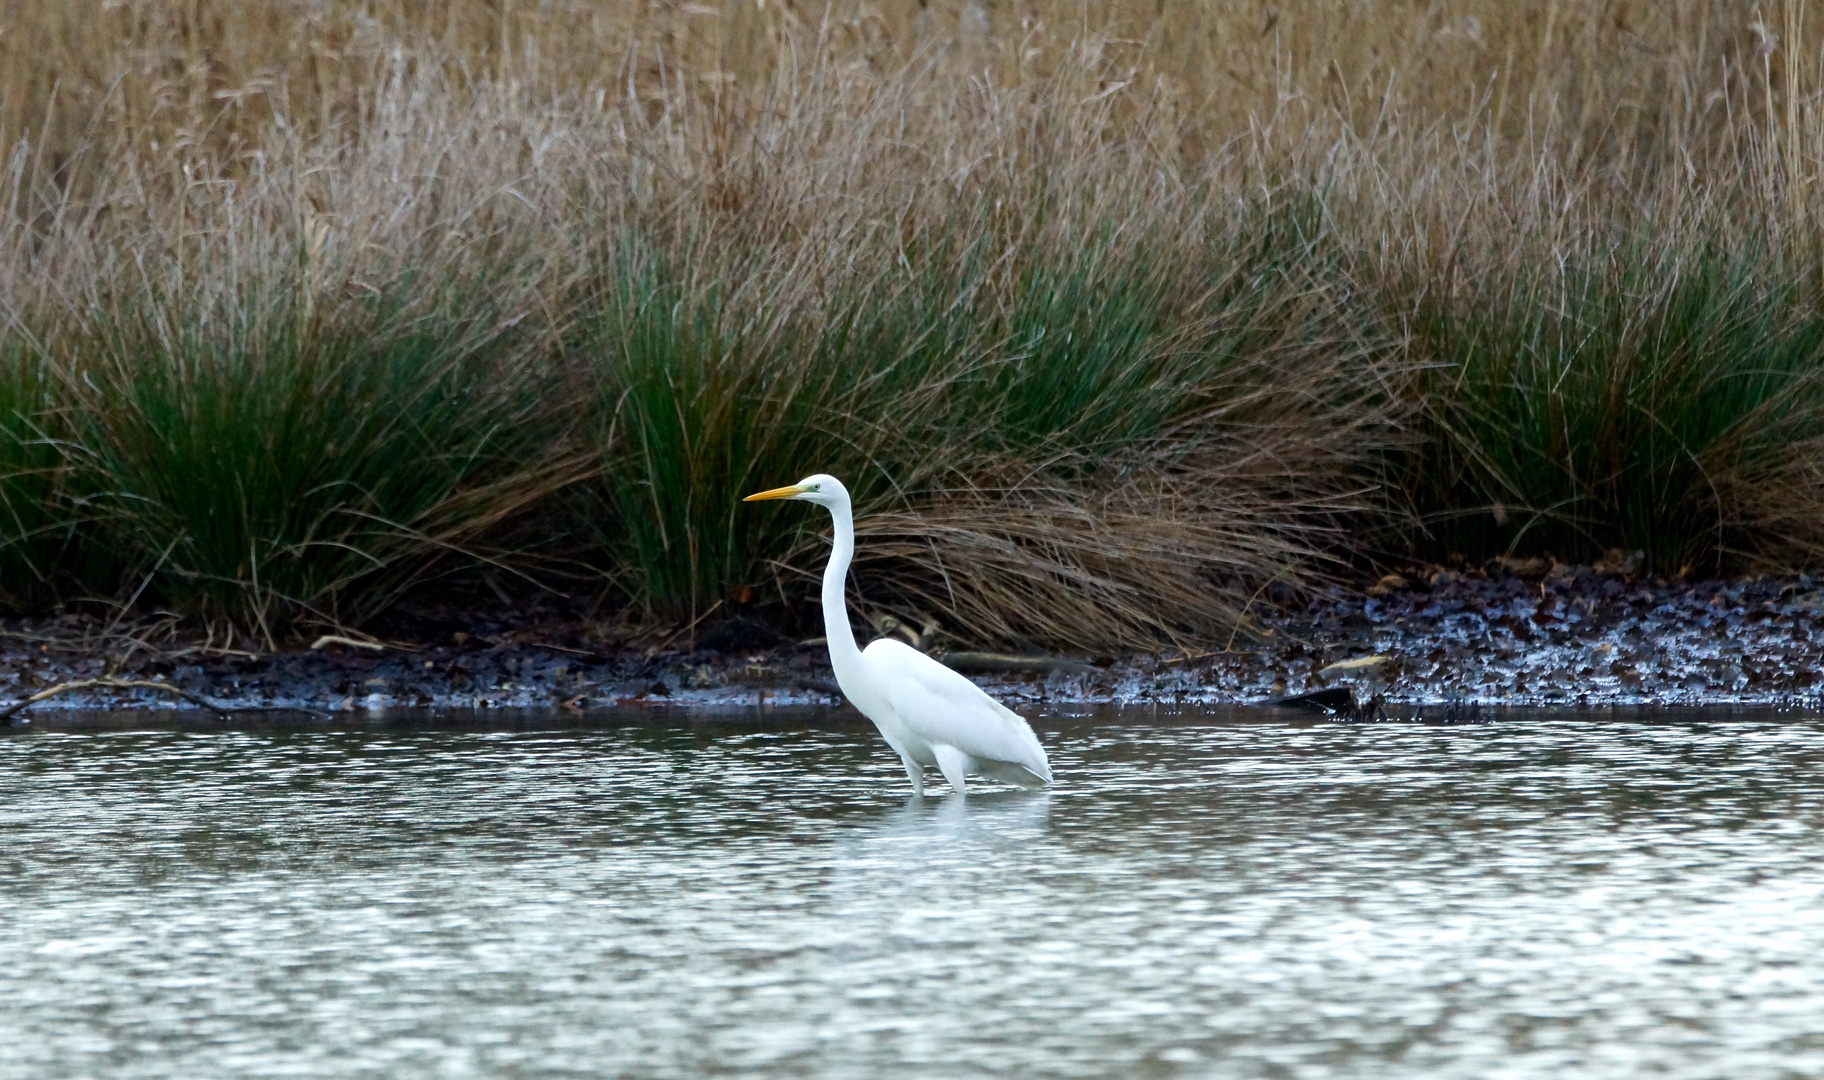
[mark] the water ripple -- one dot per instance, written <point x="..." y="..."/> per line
<point x="1585" y="896"/>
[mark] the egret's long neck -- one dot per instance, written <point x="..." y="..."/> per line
<point x="844" y="656"/>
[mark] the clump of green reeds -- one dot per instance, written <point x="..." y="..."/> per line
<point x="1072" y="405"/>
<point x="284" y="406"/>
<point x="258" y="467"/>
<point x="1086" y="428"/>
<point x="1623" y="380"/>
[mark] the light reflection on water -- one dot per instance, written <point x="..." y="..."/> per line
<point x="1200" y="895"/>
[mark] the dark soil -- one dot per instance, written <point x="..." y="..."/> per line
<point x="1513" y="632"/>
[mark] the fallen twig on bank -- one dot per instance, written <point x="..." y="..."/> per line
<point x="110" y="683"/>
<point x="353" y="643"/>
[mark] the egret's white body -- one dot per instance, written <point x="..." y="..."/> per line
<point x="928" y="714"/>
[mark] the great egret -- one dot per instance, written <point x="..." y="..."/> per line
<point x="928" y="714"/>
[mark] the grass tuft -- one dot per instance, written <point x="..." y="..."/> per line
<point x="259" y="466"/>
<point x="1619" y="390"/>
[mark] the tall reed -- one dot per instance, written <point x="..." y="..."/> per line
<point x="40" y="558"/>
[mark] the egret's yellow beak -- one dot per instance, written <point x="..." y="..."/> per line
<point x="776" y="493"/>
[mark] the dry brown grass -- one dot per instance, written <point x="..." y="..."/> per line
<point x="1359" y="167"/>
<point x="1616" y="76"/>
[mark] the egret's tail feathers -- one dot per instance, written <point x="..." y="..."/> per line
<point x="1008" y="772"/>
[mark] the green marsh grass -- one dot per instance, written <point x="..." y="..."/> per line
<point x="1636" y="387"/>
<point x="42" y="556"/>
<point x="276" y="418"/>
<point x="1004" y="399"/>
<point x="259" y="467"/>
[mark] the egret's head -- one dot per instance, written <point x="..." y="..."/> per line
<point x="822" y="489"/>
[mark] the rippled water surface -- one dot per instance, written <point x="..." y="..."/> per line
<point x="1200" y="895"/>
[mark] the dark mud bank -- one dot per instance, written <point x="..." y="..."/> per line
<point x="1515" y="633"/>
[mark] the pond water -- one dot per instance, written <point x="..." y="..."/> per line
<point x="1227" y="893"/>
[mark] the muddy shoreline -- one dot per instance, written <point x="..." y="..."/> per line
<point x="1512" y="633"/>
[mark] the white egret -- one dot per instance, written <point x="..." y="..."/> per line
<point x="928" y="714"/>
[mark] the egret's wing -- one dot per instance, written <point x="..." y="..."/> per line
<point x="943" y="707"/>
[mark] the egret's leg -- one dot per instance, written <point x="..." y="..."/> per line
<point x="953" y="763"/>
<point x="915" y="772"/>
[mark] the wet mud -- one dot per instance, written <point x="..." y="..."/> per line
<point x="1513" y="633"/>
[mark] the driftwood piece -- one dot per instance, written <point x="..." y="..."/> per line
<point x="353" y="643"/>
<point x="110" y="683"/>
<point x="1351" y="667"/>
